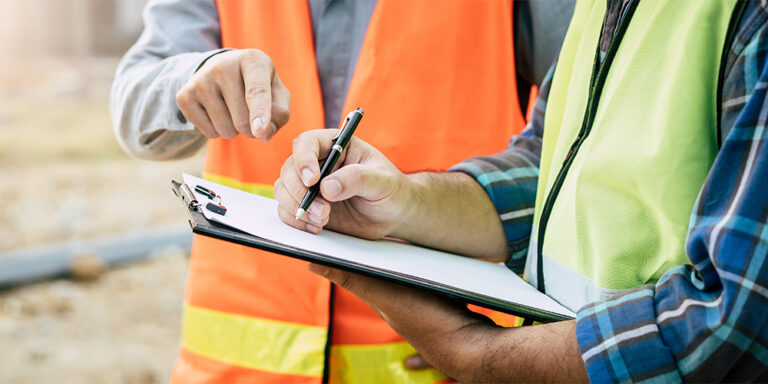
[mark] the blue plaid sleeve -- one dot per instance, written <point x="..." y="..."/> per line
<point x="510" y="179"/>
<point x="705" y="322"/>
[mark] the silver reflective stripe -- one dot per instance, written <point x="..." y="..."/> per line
<point x="516" y="214"/>
<point x="566" y="286"/>
<point x="338" y="148"/>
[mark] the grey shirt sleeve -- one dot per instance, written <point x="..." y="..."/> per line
<point x="178" y="36"/>
<point x="540" y="27"/>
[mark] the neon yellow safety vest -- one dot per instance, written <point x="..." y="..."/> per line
<point x="627" y="149"/>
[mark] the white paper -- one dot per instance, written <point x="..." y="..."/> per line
<point x="257" y="216"/>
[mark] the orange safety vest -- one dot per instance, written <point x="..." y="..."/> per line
<point x="442" y="74"/>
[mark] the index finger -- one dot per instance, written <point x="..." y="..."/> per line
<point x="257" y="73"/>
<point x="307" y="148"/>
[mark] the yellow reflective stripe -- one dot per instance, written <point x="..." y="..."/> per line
<point x="295" y="349"/>
<point x="266" y="345"/>
<point x="256" y="188"/>
<point x="379" y="363"/>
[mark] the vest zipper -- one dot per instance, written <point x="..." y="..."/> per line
<point x="596" y="83"/>
<point x="329" y="337"/>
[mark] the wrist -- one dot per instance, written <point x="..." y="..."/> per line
<point x="411" y="219"/>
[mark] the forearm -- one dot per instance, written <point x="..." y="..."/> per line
<point x="542" y="353"/>
<point x="455" y="203"/>
<point x="474" y="350"/>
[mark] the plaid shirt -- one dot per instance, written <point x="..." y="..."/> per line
<point x="707" y="321"/>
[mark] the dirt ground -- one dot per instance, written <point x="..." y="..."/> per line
<point x="64" y="178"/>
<point x="123" y="328"/>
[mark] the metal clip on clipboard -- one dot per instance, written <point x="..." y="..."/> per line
<point x="182" y="191"/>
<point x="186" y="195"/>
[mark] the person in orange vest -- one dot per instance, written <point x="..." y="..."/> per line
<point x="456" y="75"/>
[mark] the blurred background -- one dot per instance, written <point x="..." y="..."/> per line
<point x="93" y="245"/>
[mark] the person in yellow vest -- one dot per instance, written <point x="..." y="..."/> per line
<point x="639" y="185"/>
<point x="453" y="76"/>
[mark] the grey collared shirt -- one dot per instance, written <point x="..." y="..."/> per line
<point x="180" y="34"/>
<point x="336" y="49"/>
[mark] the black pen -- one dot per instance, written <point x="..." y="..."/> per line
<point x="340" y="142"/>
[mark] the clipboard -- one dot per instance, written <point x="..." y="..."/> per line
<point x="335" y="250"/>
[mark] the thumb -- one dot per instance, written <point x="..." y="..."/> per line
<point x="356" y="180"/>
<point x="343" y="279"/>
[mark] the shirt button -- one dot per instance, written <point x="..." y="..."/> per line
<point x="181" y="117"/>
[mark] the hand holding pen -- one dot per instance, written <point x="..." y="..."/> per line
<point x="363" y="197"/>
<point x="339" y="143"/>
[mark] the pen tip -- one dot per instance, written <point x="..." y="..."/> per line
<point x="299" y="213"/>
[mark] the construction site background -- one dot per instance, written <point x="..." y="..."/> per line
<point x="65" y="180"/>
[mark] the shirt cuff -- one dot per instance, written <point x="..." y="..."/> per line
<point x="619" y="340"/>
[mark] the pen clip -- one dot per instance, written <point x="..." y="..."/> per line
<point x="344" y="125"/>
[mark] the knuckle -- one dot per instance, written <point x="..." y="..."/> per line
<point x="296" y="143"/>
<point x="264" y="58"/>
<point x="183" y="97"/>
<point x="258" y="57"/>
<point x="304" y="137"/>
<point x="253" y="54"/>
<point x="256" y="91"/>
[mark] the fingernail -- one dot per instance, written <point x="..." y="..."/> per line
<point x="413" y="362"/>
<point x="256" y="126"/>
<point x="306" y="175"/>
<point x="331" y="187"/>
<point x="318" y="269"/>
<point x="312" y="228"/>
